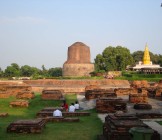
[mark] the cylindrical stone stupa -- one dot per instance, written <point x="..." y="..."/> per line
<point x="78" y="62"/>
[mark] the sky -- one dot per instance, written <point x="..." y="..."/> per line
<point x="39" y="32"/>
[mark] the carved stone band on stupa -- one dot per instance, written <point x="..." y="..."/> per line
<point x="78" y="61"/>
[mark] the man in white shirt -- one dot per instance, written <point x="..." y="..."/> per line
<point x="57" y="113"/>
<point x="72" y="108"/>
<point x="76" y="105"/>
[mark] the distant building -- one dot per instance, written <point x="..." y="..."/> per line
<point x="146" y="65"/>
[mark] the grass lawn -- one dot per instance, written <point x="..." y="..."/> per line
<point x="87" y="129"/>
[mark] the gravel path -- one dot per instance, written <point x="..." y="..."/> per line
<point x="84" y="104"/>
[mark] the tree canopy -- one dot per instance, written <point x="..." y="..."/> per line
<point x="55" y="72"/>
<point x="14" y="70"/>
<point x="113" y="58"/>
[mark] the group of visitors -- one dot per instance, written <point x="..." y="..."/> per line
<point x="71" y="108"/>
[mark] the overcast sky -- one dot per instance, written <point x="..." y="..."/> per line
<point x="39" y="32"/>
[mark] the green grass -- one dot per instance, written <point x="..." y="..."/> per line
<point x="87" y="129"/>
<point x="160" y="122"/>
<point x="137" y="76"/>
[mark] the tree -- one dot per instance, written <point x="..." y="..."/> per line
<point x="15" y="66"/>
<point x="29" y="71"/>
<point x="12" y="71"/>
<point x="1" y="72"/>
<point x="44" y="71"/>
<point x="55" y="72"/>
<point x="99" y="62"/>
<point x="113" y="58"/>
<point x="137" y="56"/>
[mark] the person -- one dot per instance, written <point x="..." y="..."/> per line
<point x="65" y="106"/>
<point x="76" y="105"/>
<point x="57" y="113"/>
<point x="72" y="108"/>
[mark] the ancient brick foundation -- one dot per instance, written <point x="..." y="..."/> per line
<point x="75" y="86"/>
<point x="117" y="127"/>
<point x="51" y="94"/>
<point x="12" y="89"/>
<point x="19" y="103"/>
<point x="98" y="93"/>
<point x="110" y="105"/>
<point x="3" y="114"/>
<point x="27" y="126"/>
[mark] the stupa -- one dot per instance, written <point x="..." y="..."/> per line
<point x="78" y="62"/>
<point x="146" y="65"/>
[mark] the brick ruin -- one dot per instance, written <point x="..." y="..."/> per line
<point x="19" y="103"/>
<point x="75" y="86"/>
<point x="138" y="96"/>
<point x="96" y="89"/>
<point x="27" y="126"/>
<point x="118" y="126"/>
<point x="19" y="90"/>
<point x="52" y="94"/>
<point x="3" y="114"/>
<point x="110" y="105"/>
<point x="97" y="93"/>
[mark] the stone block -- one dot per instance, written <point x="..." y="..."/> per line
<point x="142" y="106"/>
<point x="44" y="114"/>
<point x="52" y="95"/>
<point x="19" y="103"/>
<point x="27" y="126"/>
<point x="98" y="93"/>
<point x="25" y="95"/>
<point x="61" y="119"/>
<point x="110" y="105"/>
<point x="138" y="98"/>
<point x="116" y="127"/>
<point x="3" y="114"/>
<point x="149" y="115"/>
<point x="140" y="84"/>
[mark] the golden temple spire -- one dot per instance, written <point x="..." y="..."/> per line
<point x="146" y="56"/>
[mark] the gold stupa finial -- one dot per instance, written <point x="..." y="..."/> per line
<point x="146" y="56"/>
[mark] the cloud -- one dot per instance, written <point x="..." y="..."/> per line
<point x="21" y="19"/>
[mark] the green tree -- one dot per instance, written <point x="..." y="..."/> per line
<point x="99" y="63"/>
<point x="113" y="58"/>
<point x="15" y="66"/>
<point x="12" y="71"/>
<point x="29" y="71"/>
<point x="1" y="72"/>
<point x="55" y="72"/>
<point x="44" y="71"/>
<point x="137" y="56"/>
<point x="160" y="60"/>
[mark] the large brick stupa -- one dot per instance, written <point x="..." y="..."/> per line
<point x="78" y="62"/>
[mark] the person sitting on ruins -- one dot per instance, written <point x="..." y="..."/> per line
<point x="76" y="105"/>
<point x="65" y="106"/>
<point x="72" y="108"/>
<point x="57" y="113"/>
